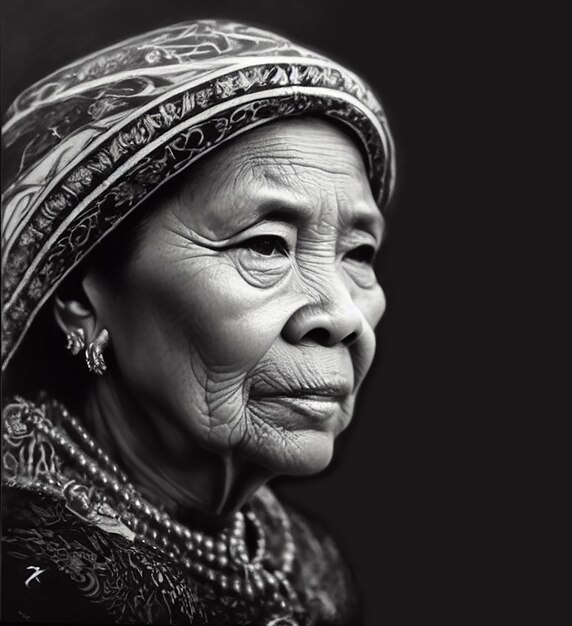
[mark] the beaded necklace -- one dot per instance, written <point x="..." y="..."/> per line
<point x="222" y="561"/>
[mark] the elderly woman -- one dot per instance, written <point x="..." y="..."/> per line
<point x="194" y="214"/>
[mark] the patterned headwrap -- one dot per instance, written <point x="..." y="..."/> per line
<point x="93" y="140"/>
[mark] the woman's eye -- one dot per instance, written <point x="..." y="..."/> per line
<point x="362" y="254"/>
<point x="266" y="245"/>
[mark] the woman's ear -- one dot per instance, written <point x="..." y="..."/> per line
<point x="73" y="311"/>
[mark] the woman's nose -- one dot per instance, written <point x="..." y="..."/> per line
<point x="334" y="319"/>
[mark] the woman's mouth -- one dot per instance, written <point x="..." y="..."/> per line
<point x="310" y="393"/>
<point x="317" y="402"/>
<point x="332" y="390"/>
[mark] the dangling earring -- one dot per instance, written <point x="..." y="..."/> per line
<point x="93" y="353"/>
<point x="76" y="341"/>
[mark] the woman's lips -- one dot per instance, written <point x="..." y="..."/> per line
<point x="333" y="391"/>
<point x="314" y="408"/>
<point x="316" y="402"/>
<point x="318" y="394"/>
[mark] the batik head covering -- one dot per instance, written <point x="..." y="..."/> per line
<point x="96" y="138"/>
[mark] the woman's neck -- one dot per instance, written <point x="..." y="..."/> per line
<point x="189" y="481"/>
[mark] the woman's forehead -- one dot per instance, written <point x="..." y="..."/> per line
<point x="294" y="167"/>
<point x="275" y="150"/>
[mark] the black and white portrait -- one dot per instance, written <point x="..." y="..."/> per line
<point x="232" y="359"/>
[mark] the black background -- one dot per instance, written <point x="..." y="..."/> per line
<point x="419" y="494"/>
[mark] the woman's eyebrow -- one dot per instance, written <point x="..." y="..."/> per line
<point x="288" y="210"/>
<point x="369" y="220"/>
<point x="283" y="210"/>
<point x="295" y="211"/>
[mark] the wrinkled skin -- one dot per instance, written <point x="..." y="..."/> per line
<point x="244" y="323"/>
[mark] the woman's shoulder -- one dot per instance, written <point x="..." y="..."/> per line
<point x="43" y="563"/>
<point x="56" y="567"/>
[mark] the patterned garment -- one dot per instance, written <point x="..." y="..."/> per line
<point x="90" y="142"/>
<point x="71" y="564"/>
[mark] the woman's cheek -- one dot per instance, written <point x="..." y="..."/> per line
<point x="372" y="303"/>
<point x="237" y="328"/>
<point x="230" y="321"/>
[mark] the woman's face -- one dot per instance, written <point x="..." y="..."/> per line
<point x="245" y="319"/>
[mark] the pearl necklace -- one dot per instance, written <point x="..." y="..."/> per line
<point x="222" y="560"/>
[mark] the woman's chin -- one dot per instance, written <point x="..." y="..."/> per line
<point x="299" y="454"/>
